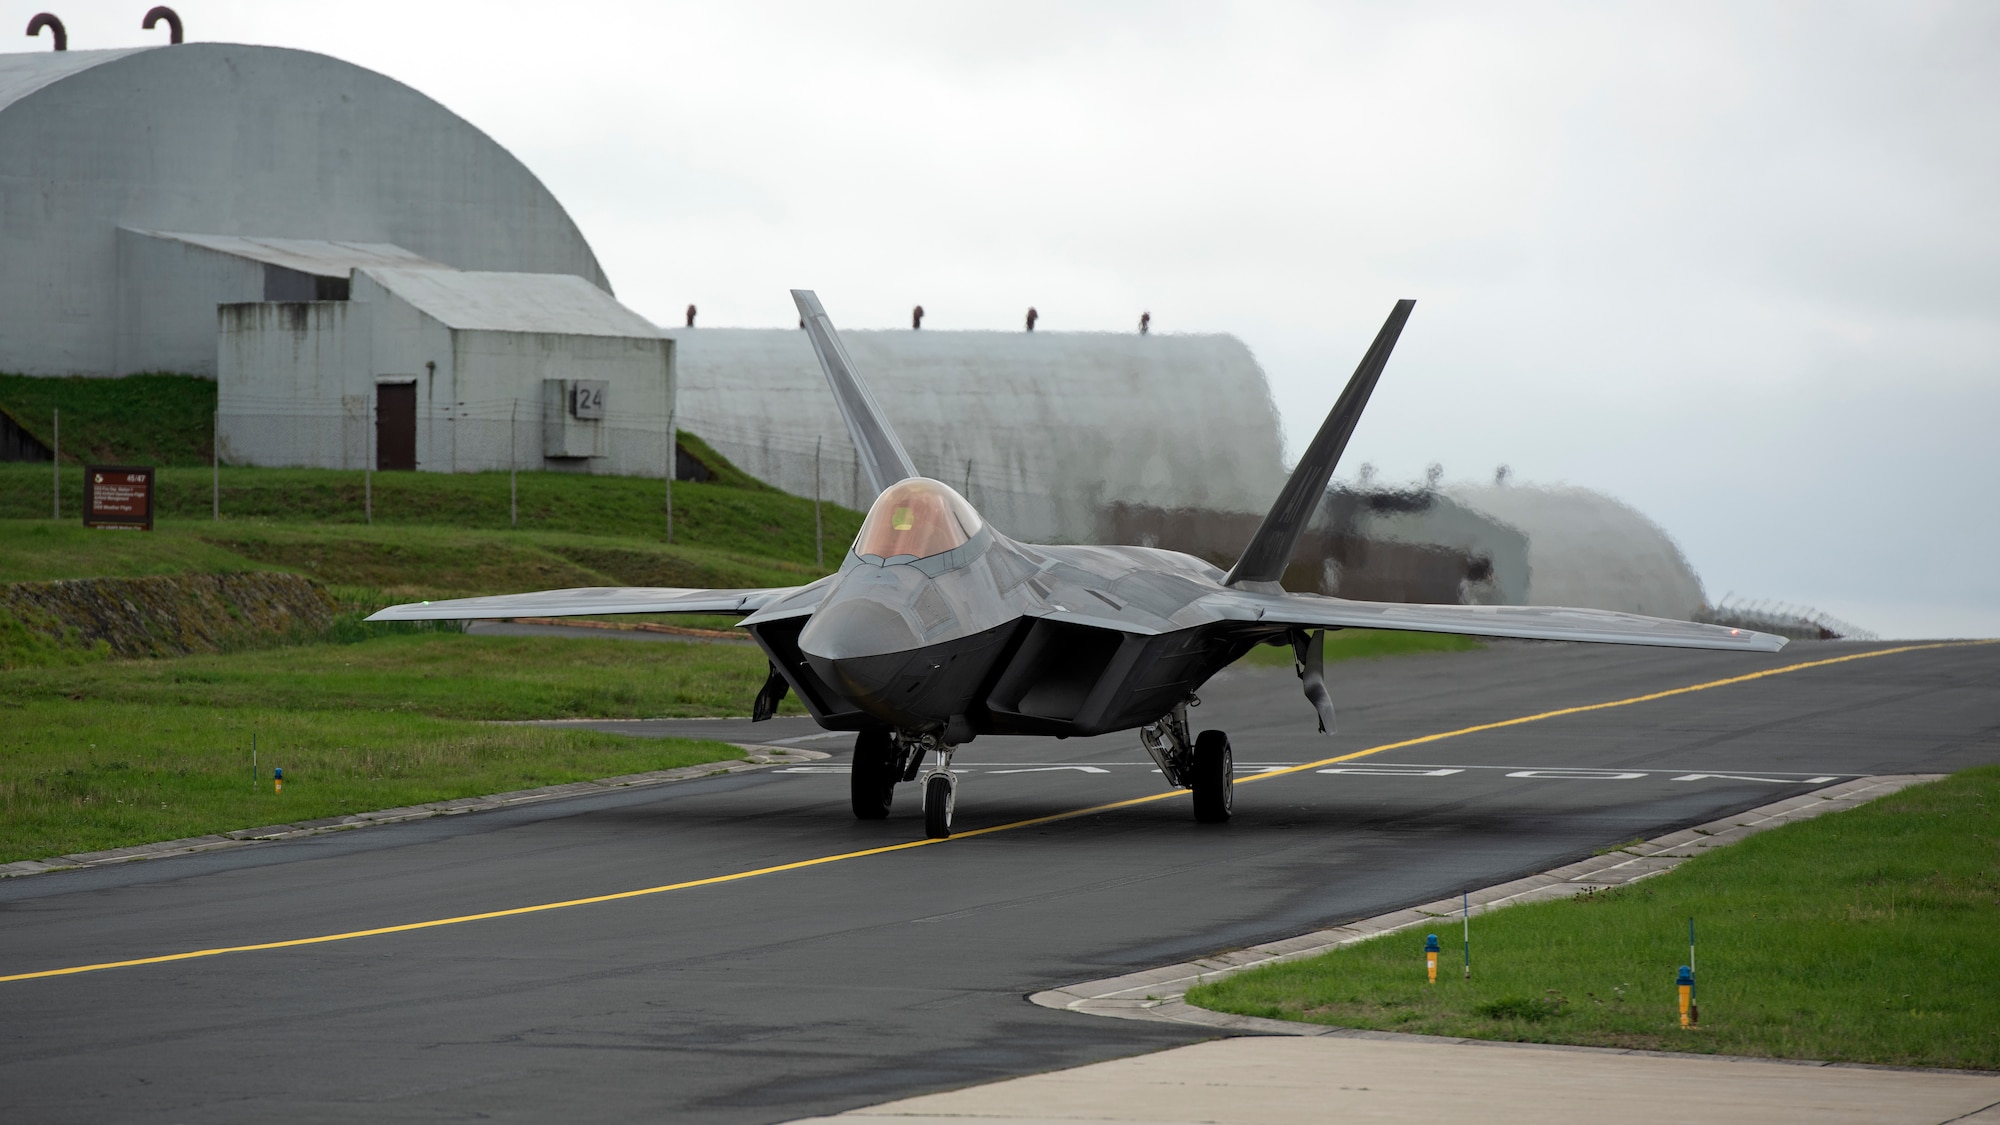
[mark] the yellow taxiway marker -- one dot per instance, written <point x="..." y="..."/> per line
<point x="798" y="865"/>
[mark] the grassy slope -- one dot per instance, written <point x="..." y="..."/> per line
<point x="1864" y="936"/>
<point x="719" y="517"/>
<point x="141" y="419"/>
<point x="387" y="558"/>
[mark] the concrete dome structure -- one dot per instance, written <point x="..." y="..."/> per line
<point x="1042" y="431"/>
<point x="1587" y="549"/>
<point x="227" y="139"/>
<point x="1515" y="544"/>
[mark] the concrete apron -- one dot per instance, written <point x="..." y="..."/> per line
<point x="1296" y="1072"/>
<point x="1282" y="1080"/>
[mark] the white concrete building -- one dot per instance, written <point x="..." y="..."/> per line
<point x="1041" y="430"/>
<point x="170" y="284"/>
<point x="434" y="369"/>
<point x="99" y="150"/>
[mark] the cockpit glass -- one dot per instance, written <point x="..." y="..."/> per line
<point x="917" y="517"/>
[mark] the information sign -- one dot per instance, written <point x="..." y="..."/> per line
<point x="119" y="496"/>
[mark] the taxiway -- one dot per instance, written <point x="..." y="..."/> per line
<point x="786" y="960"/>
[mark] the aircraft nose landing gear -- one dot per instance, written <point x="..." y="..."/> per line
<point x="940" y="794"/>
<point x="884" y="757"/>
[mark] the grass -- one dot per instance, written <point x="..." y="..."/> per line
<point x="435" y="674"/>
<point x="1862" y="936"/>
<point x="98" y="753"/>
<point x="395" y="561"/>
<point x="748" y="521"/>
<point x="364" y="567"/>
<point x="122" y="752"/>
<point x="1365" y="644"/>
<point x="84" y="778"/>
<point x="154" y="419"/>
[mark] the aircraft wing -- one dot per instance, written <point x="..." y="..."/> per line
<point x="589" y="600"/>
<point x="1530" y="622"/>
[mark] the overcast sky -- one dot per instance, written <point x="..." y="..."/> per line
<point x="1736" y="264"/>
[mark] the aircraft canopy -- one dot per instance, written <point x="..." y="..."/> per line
<point x="916" y="517"/>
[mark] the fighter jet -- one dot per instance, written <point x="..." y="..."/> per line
<point x="938" y="628"/>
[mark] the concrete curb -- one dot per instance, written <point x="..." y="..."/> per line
<point x="1158" y="994"/>
<point x="759" y="757"/>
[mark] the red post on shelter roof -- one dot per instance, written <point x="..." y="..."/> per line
<point x="162" y="12"/>
<point x="55" y="26"/>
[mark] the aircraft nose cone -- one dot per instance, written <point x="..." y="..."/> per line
<point x="857" y="627"/>
<point x="859" y="646"/>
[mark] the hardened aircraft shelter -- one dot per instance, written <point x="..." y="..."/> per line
<point x="1042" y="430"/>
<point x="373" y="280"/>
<point x="228" y="139"/>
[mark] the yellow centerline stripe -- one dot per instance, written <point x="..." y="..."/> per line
<point x="797" y="865"/>
<point x="1648" y="698"/>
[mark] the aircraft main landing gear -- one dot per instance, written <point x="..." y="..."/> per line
<point x="1214" y="777"/>
<point x="1205" y="765"/>
<point x="878" y="766"/>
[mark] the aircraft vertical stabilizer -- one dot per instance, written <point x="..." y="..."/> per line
<point x="883" y="458"/>
<point x="1270" y="549"/>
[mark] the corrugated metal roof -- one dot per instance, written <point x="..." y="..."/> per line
<point x="513" y="302"/>
<point x="319" y="257"/>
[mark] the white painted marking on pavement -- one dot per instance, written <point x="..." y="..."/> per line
<point x="1052" y="769"/>
<point x="1576" y="775"/>
<point x="1371" y="771"/>
<point x="1737" y="777"/>
<point x="1797" y="775"/>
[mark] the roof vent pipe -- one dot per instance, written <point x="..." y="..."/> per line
<point x="163" y="12"/>
<point x="44" y="19"/>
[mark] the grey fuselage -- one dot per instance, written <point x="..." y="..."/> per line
<point x="1003" y="638"/>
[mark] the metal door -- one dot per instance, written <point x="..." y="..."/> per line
<point x="395" y="426"/>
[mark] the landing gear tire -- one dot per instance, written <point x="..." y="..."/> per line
<point x="1213" y="778"/>
<point x="872" y="782"/>
<point x="940" y="794"/>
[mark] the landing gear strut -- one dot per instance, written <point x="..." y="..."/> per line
<point x="1205" y="765"/>
<point x="940" y="793"/>
<point x="883" y="757"/>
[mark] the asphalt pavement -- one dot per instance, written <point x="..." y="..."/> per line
<point x="789" y="960"/>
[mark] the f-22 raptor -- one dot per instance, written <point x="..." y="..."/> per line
<point x="938" y="628"/>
